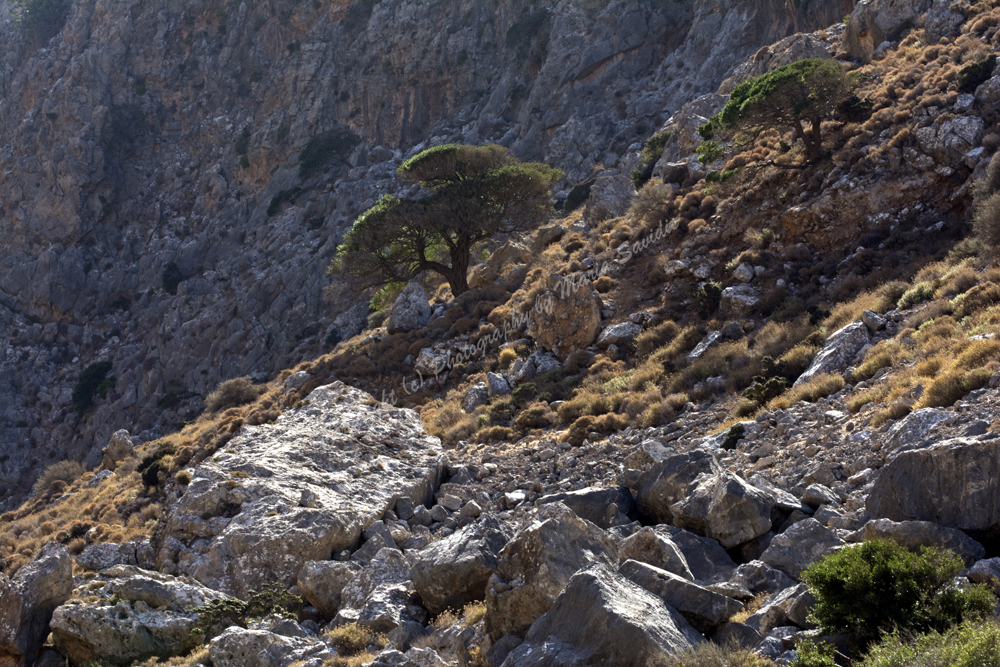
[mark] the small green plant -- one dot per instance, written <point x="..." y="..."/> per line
<point x="879" y="586"/>
<point x="809" y="653"/>
<point x="91" y="381"/>
<point x="218" y="615"/>
<point x="975" y="74"/>
<point x="335" y="144"/>
<point x="736" y="433"/>
<point x="965" y="645"/>
<point x="41" y="20"/>
<point x="241" y="145"/>
<point x="282" y="197"/>
<point x="172" y="277"/>
<point x="140" y="87"/>
<point x="650" y="155"/>
<point x="708" y="296"/>
<point x="709" y="151"/>
<point x="244" y="162"/>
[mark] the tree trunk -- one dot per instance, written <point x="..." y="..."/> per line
<point x="459" y="275"/>
<point x="817" y="139"/>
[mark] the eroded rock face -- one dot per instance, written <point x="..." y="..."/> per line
<point x="725" y="508"/>
<point x="610" y="197"/>
<point x="873" y="23"/>
<point x="149" y="618"/>
<point x="119" y="448"/>
<point x="241" y="523"/>
<point x="612" y="621"/>
<point x="566" y="319"/>
<point x="28" y="600"/>
<point x="537" y="563"/>
<point x="410" y="311"/>
<point x="671" y="481"/>
<point x="703" y="608"/>
<point x="805" y="542"/>
<point x="916" y="534"/>
<point x="959" y="486"/>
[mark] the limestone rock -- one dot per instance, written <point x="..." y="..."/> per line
<point x="872" y="23"/>
<point x="150" y="617"/>
<point x="28" y="600"/>
<point x="357" y="457"/>
<point x="959" y="486"/>
<point x="743" y="273"/>
<point x="986" y="571"/>
<point x="390" y="606"/>
<point x="246" y="647"/>
<point x="119" y="448"/>
<point x="913" y="428"/>
<point x="759" y="577"/>
<point x="389" y="566"/>
<point x="701" y="607"/>
<point x="803" y="543"/>
<point x="537" y="563"/>
<point x="739" y="300"/>
<point x="789" y="50"/>
<point x="708" y="561"/>
<point x="725" y="508"/>
<point x="498" y="384"/>
<point x="452" y="572"/>
<point x="672" y="480"/>
<point x="657" y="549"/>
<point x="478" y="394"/>
<point x="610" y="197"/>
<point x="916" y="534"/>
<point x="838" y="352"/>
<point x="612" y="621"/>
<point x="410" y="310"/>
<point x="618" y="334"/>
<point x="322" y="581"/>
<point x="817" y="494"/>
<point x="711" y="339"/>
<point x="873" y="321"/>
<point x="566" y="319"/>
<point x="952" y="139"/>
<point x="592" y="503"/>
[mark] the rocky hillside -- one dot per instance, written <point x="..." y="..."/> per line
<point x="155" y="210"/>
<point x="626" y="445"/>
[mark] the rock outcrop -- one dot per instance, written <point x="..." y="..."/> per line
<point x="241" y="522"/>
<point x="28" y="601"/>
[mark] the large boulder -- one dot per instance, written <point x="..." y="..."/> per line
<point x="137" y="614"/>
<point x="739" y="300"/>
<point x="671" y="480"/>
<point x="683" y="127"/>
<point x="536" y="564"/>
<point x="878" y="21"/>
<point x="951" y="140"/>
<point x="260" y="647"/>
<point x="954" y="483"/>
<point x="119" y="448"/>
<point x="387" y="568"/>
<point x="726" y="508"/>
<point x="618" y="334"/>
<point x="566" y="318"/>
<point x="703" y="608"/>
<point x="611" y="621"/>
<point x="913" y="428"/>
<point x="453" y="572"/>
<point x="708" y="561"/>
<point x="789" y="50"/>
<point x="592" y="503"/>
<point x="655" y="548"/>
<point x="803" y="543"/>
<point x="97" y="557"/>
<point x="322" y="581"/>
<point x="28" y="600"/>
<point x="297" y="490"/>
<point x="410" y="310"/>
<point x="610" y="197"/>
<point x="840" y="349"/>
<point x="916" y="534"/>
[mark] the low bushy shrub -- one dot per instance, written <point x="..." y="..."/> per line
<point x="232" y="393"/>
<point x="218" y="615"/>
<point x="966" y="645"/>
<point x="93" y="380"/>
<point x="324" y="148"/>
<point x="650" y="155"/>
<point x="65" y="472"/>
<point x="877" y="587"/>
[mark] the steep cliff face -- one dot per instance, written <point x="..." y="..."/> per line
<point x="152" y="147"/>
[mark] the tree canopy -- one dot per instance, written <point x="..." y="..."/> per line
<point x="475" y="192"/>
<point x="797" y="97"/>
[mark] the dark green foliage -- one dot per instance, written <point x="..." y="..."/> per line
<point x="855" y="109"/>
<point x="796" y="97"/>
<point x="477" y="192"/>
<point x="151" y="466"/>
<point x="41" y="20"/>
<point x="241" y="145"/>
<point x="736" y="433"/>
<point x="975" y="74"/>
<point x="810" y="653"/>
<point x="648" y="158"/>
<point x="817" y="314"/>
<point x="140" y="87"/>
<point x="326" y="147"/>
<point x="523" y="32"/>
<point x="878" y="587"/>
<point x="89" y="384"/>
<point x="332" y="338"/>
<point x="172" y="277"/>
<point x="524" y="393"/>
<point x="232" y="393"/>
<point x="244" y="162"/>
<point x="577" y="195"/>
<point x="708" y="296"/>
<point x="770" y="384"/>
<point x="151" y="475"/>
<point x="218" y="615"/>
<point x="280" y="198"/>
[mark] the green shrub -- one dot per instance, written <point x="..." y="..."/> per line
<point x="876" y="587"/>
<point x="324" y="148"/>
<point x="708" y="296"/>
<point x="92" y="380"/>
<point x="986" y="220"/>
<point x="809" y="653"/>
<point x="916" y="294"/>
<point x="736" y="433"/>
<point x="41" y="20"/>
<point x="172" y="277"/>
<point x="232" y="393"/>
<point x="63" y="471"/>
<point x="966" y="645"/>
<point x="650" y="155"/>
<point x="577" y="195"/>
<point x="218" y="615"/>
<point x="975" y="74"/>
<point x="277" y="200"/>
